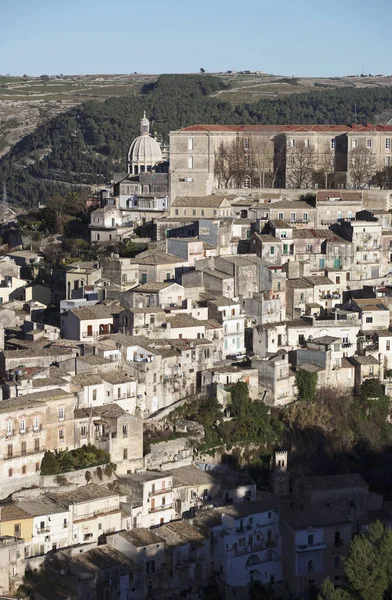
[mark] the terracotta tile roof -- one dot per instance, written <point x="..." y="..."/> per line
<point x="141" y="537"/>
<point x="84" y="493"/>
<point x="288" y="128"/>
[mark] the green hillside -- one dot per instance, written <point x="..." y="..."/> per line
<point x="88" y="143"/>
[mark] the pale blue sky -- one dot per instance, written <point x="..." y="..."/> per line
<point x="305" y="37"/>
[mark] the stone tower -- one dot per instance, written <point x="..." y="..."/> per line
<point x="279" y="478"/>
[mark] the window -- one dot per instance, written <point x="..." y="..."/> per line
<point x="283" y="235"/>
<point x="94" y="395"/>
<point x="349" y="214"/>
<point x="387" y="143"/>
<point x="190" y="143"/>
<point x="369" y="319"/>
<point x="354" y="143"/>
<point x="292" y="216"/>
<point x="176" y="212"/>
<point x="24" y="470"/>
<point x="9" y="427"/>
<point x="36" y="424"/>
<point x="337" y="280"/>
<point x="246" y="143"/>
<point x="272" y="251"/>
<point x="332" y="144"/>
<point x="321" y="263"/>
<point x="280" y="217"/>
<point x="369" y="143"/>
<point x="305" y="217"/>
<point x="61" y="414"/>
<point x="125" y="453"/>
<point x="23" y="448"/>
<point x="371" y="370"/>
<point x="292" y="143"/>
<point x="307" y="143"/>
<point x="9" y="451"/>
<point x="61" y="434"/>
<point x="388" y="345"/>
<point x="22" y="426"/>
<point x="125" y="430"/>
<point x="37" y="467"/>
<point x="310" y="539"/>
<point x="36" y="445"/>
<point x="202" y="212"/>
<point x="309" y="248"/>
<point x="9" y="472"/>
<point x="387" y="161"/>
<point x="190" y="162"/>
<point x="194" y="212"/>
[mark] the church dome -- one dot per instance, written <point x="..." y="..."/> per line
<point x="144" y="152"/>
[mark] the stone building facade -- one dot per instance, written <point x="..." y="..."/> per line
<point x="332" y="150"/>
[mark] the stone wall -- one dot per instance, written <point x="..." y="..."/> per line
<point x="169" y="455"/>
<point x="74" y="479"/>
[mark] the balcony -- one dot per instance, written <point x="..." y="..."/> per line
<point x="160" y="491"/>
<point x="43" y="530"/>
<point x="156" y="509"/>
<point x="309" y="547"/>
<point x="365" y="261"/>
<point x="347" y="345"/>
<point x="96" y="513"/>
<point x="333" y="296"/>
<point x="249" y="548"/>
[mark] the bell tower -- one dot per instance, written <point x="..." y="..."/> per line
<point x="279" y="476"/>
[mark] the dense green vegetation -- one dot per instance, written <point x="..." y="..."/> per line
<point x="335" y="432"/>
<point x="306" y="383"/>
<point x="61" y="461"/>
<point x="88" y="143"/>
<point x="368" y="568"/>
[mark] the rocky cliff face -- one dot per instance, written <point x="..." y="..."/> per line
<point x="19" y="118"/>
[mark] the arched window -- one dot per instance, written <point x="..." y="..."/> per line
<point x="246" y="182"/>
<point x="253" y="560"/>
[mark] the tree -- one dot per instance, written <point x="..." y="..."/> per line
<point x="232" y="163"/>
<point x="329" y="592"/>
<point x="49" y="464"/>
<point x="222" y="167"/>
<point x="326" y="167"/>
<point x="366" y="568"/>
<point x="361" y="166"/>
<point x="383" y="178"/>
<point x="202" y="70"/>
<point x="262" y="156"/>
<point x="306" y="383"/>
<point x="239" y="161"/>
<point x="301" y="161"/>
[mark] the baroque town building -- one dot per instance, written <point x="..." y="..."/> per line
<point x="280" y="156"/>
